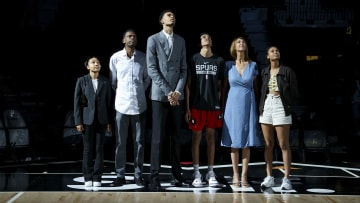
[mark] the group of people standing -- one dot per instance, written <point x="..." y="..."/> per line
<point x="210" y="94"/>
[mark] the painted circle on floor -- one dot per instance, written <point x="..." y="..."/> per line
<point x="105" y="180"/>
<point x="320" y="190"/>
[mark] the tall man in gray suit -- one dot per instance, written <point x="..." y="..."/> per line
<point x="167" y="67"/>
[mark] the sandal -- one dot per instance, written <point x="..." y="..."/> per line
<point x="244" y="182"/>
<point x="235" y="181"/>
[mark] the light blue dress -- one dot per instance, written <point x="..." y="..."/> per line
<point x="241" y="126"/>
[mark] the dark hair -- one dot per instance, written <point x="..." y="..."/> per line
<point x="88" y="59"/>
<point x="205" y="33"/>
<point x="272" y="46"/>
<point x="267" y="51"/>
<point x="163" y="13"/>
<point x="128" y="30"/>
<point x="201" y="34"/>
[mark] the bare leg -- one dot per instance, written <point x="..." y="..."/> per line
<point x="235" y="164"/>
<point x="268" y="132"/>
<point x="245" y="157"/>
<point x="283" y="133"/>
<point x="196" y="138"/>
<point x="210" y="140"/>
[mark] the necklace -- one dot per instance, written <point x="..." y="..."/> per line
<point x="274" y="71"/>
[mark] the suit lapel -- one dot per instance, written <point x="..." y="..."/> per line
<point x="172" y="48"/>
<point x="164" y="43"/>
<point x="100" y="84"/>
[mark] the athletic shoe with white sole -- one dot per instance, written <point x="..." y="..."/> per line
<point x="211" y="179"/>
<point x="286" y="184"/>
<point x="269" y="181"/>
<point x="88" y="184"/>
<point x="197" y="182"/>
<point x="97" y="184"/>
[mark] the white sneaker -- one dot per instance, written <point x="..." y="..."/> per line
<point x="197" y="182"/>
<point x="211" y="179"/>
<point x="286" y="184"/>
<point x="88" y="184"/>
<point x="97" y="184"/>
<point x="268" y="182"/>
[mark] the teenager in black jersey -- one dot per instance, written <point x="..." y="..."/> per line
<point x="203" y="109"/>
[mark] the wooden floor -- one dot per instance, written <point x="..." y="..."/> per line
<point x="63" y="182"/>
<point x="166" y="197"/>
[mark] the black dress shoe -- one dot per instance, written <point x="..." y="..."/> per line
<point x="139" y="181"/>
<point x="155" y="184"/>
<point x="118" y="182"/>
<point x="178" y="182"/>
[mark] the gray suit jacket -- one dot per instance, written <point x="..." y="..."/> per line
<point x="99" y="103"/>
<point x="168" y="73"/>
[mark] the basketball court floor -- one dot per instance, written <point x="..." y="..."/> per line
<point x="62" y="181"/>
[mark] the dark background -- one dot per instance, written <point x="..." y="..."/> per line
<point x="49" y="56"/>
<point x="44" y="48"/>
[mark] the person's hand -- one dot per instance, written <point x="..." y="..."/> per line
<point x="221" y="116"/>
<point x="170" y="98"/>
<point x="108" y="128"/>
<point x="80" y="128"/>
<point x="187" y="115"/>
<point x="173" y="98"/>
<point x="176" y="97"/>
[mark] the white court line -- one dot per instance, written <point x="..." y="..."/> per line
<point x="190" y="168"/>
<point x="15" y="197"/>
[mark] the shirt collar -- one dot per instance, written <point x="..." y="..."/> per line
<point x="167" y="35"/>
<point x="123" y="51"/>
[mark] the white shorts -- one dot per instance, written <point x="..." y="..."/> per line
<point x="274" y="112"/>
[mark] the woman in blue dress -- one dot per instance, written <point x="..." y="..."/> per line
<point x="241" y="127"/>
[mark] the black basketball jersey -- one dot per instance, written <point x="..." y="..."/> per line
<point x="205" y="73"/>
